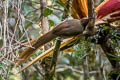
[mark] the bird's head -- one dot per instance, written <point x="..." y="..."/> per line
<point x="85" y="21"/>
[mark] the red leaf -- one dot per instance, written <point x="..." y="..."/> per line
<point x="108" y="7"/>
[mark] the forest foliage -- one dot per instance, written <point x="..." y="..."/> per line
<point x="21" y="23"/>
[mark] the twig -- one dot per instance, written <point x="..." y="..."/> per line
<point x="54" y="59"/>
<point x="61" y="68"/>
<point x="37" y="68"/>
<point x="109" y="49"/>
<point x="89" y="30"/>
<point x="45" y="29"/>
<point x="90" y="8"/>
<point x="85" y="68"/>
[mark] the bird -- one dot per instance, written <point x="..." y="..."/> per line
<point x="66" y="29"/>
<point x="104" y="9"/>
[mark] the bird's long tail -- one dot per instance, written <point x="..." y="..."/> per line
<point x="29" y="51"/>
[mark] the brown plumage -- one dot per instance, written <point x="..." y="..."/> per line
<point x="65" y="29"/>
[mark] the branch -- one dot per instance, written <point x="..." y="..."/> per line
<point x="50" y="51"/>
<point x="61" y="68"/>
<point x="37" y="68"/>
<point x="85" y="68"/>
<point x="91" y="14"/>
<point x="54" y="59"/>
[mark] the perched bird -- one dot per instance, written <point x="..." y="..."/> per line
<point x="71" y="27"/>
<point x="67" y="28"/>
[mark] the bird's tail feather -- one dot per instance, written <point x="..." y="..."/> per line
<point x="29" y="51"/>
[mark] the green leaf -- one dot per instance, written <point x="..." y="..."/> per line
<point x="51" y="23"/>
<point x="47" y="12"/>
<point x="61" y="4"/>
<point x="113" y="57"/>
